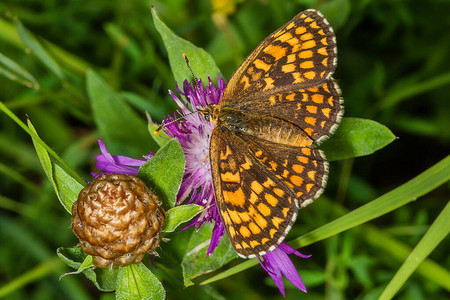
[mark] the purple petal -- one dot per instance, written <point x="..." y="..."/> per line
<point x="217" y="234"/>
<point x="111" y="164"/>
<point x="278" y="262"/>
<point x="273" y="271"/>
<point x="288" y="269"/>
<point x="289" y="250"/>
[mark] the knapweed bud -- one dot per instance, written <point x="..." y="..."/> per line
<point x="117" y="220"/>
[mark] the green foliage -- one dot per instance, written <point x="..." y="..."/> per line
<point x="201" y="62"/>
<point x="196" y="263"/>
<point x="104" y="279"/>
<point x="356" y="137"/>
<point x="180" y="214"/>
<point x="163" y="173"/>
<point x="137" y="282"/>
<point x="115" y="119"/>
<point x="377" y="231"/>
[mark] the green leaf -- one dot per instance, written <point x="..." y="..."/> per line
<point x="73" y="257"/>
<point x="414" y="88"/>
<point x="336" y="12"/>
<point x="10" y="69"/>
<point x="356" y="137"/>
<point x="195" y="262"/>
<point x="164" y="171"/>
<point x="136" y="281"/>
<point x="65" y="186"/>
<point x="390" y="246"/>
<point x="161" y="138"/>
<point x="437" y="232"/>
<point x="123" y="130"/>
<point x="86" y="264"/>
<point x="103" y="278"/>
<point x="201" y="62"/>
<point x="37" y="49"/>
<point x="180" y="214"/>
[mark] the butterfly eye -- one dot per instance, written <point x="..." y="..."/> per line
<point x="207" y="117"/>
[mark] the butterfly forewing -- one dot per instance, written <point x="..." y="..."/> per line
<point x="300" y="54"/>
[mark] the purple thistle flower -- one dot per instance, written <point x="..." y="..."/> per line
<point x="194" y="133"/>
<point x="117" y="164"/>
<point x="277" y="263"/>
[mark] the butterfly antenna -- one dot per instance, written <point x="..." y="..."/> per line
<point x="197" y="81"/>
<point x="163" y="125"/>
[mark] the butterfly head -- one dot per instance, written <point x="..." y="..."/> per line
<point x="210" y="113"/>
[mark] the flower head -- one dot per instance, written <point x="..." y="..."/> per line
<point x="277" y="262"/>
<point x="194" y="133"/>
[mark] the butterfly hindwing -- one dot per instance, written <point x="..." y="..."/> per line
<point x="300" y="54"/>
<point x="256" y="207"/>
<point x="316" y="110"/>
<point x="304" y="170"/>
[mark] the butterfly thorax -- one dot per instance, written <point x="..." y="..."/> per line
<point x="259" y="126"/>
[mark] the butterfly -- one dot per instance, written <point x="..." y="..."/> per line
<point x="278" y="106"/>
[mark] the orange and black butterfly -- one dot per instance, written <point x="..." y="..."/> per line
<point x="277" y="107"/>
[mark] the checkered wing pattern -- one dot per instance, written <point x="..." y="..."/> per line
<point x="260" y="186"/>
<point x="277" y="107"/>
<point x="300" y="54"/>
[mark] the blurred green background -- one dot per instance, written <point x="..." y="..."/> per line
<point x="393" y="67"/>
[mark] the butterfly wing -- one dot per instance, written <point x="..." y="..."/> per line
<point x="300" y="54"/>
<point x="259" y="187"/>
<point x="317" y="111"/>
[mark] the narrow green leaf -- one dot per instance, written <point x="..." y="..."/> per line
<point x="32" y="276"/>
<point x="86" y="264"/>
<point x="356" y="137"/>
<point x="37" y="139"/>
<point x="73" y="257"/>
<point x="123" y="130"/>
<point x="195" y="262"/>
<point x="180" y="214"/>
<point x="437" y="232"/>
<point x="201" y="62"/>
<point x="404" y="194"/>
<point x="164" y="171"/>
<point x="410" y="191"/>
<point x="432" y="271"/>
<point x="43" y="156"/>
<point x="103" y="278"/>
<point x="15" y="72"/>
<point x="37" y="49"/>
<point x="136" y="281"/>
<point x="411" y="89"/>
<point x="65" y="186"/>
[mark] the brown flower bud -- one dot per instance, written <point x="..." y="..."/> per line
<point x="117" y="220"/>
